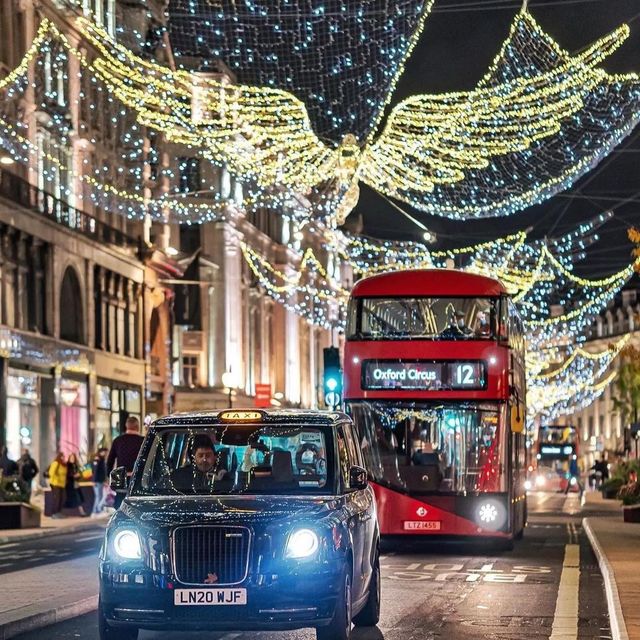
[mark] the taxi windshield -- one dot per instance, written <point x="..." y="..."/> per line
<point x="235" y="459"/>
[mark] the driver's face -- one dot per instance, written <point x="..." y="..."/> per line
<point x="205" y="459"/>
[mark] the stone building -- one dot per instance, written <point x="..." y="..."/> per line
<point x="103" y="315"/>
<point x="600" y="428"/>
<point x="78" y="286"/>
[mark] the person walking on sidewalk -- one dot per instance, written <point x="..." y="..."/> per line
<point x="27" y="469"/>
<point x="58" y="480"/>
<point x="574" y="472"/>
<point x="74" y="495"/>
<point x="99" y="469"/>
<point x="124" y="450"/>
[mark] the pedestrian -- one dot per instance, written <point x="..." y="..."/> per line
<point x="27" y="469"/>
<point x="124" y="451"/>
<point x="57" y="473"/>
<point x="99" y="470"/>
<point x="73" y="495"/>
<point x="8" y="466"/>
<point x="574" y="472"/>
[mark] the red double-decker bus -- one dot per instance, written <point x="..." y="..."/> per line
<point x="434" y="378"/>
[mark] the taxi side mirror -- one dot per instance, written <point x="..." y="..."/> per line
<point x="118" y="479"/>
<point x="357" y="478"/>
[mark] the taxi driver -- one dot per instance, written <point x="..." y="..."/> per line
<point x="199" y="474"/>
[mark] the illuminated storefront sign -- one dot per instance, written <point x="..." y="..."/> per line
<point x="424" y="375"/>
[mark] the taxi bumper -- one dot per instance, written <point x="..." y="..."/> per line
<point x="272" y="603"/>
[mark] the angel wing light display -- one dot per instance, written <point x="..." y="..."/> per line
<point x="536" y="122"/>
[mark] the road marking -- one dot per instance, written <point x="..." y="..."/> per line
<point x="99" y="536"/>
<point x="565" y="618"/>
<point x="8" y="544"/>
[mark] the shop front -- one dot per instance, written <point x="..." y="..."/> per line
<point x="118" y="393"/>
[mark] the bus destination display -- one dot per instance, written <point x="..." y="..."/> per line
<point x="423" y="374"/>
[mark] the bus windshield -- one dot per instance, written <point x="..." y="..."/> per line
<point x="422" y="318"/>
<point x="428" y="447"/>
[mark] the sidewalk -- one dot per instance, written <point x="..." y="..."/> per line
<point x="50" y="526"/>
<point x="617" y="546"/>
<point x="38" y="597"/>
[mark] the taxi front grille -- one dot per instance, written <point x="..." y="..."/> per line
<point x="211" y="555"/>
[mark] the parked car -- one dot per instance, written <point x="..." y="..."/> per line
<point x="243" y="520"/>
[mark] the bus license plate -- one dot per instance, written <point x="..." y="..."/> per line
<point x="209" y="596"/>
<point x="422" y="525"/>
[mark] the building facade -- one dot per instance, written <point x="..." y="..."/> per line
<point x="104" y="313"/>
<point x="600" y="427"/>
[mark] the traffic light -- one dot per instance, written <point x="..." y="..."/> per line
<point x="332" y="377"/>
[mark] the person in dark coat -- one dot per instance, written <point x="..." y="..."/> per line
<point x="27" y="470"/>
<point x="124" y="451"/>
<point x="99" y="471"/>
<point x="74" y="497"/>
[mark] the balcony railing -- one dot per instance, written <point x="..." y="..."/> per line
<point x="21" y="192"/>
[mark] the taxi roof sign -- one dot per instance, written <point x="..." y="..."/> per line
<point x="240" y="416"/>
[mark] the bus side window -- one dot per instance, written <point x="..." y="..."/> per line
<point x="503" y="319"/>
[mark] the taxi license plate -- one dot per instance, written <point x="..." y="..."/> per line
<point x="422" y="525"/>
<point x="194" y="597"/>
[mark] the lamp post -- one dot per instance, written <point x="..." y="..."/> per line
<point x="229" y="381"/>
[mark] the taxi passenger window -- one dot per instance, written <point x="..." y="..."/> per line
<point x="343" y="458"/>
<point x="235" y="459"/>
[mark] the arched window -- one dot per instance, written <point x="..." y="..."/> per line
<point x="71" y="311"/>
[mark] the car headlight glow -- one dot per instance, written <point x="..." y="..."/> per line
<point x="527" y="485"/>
<point x="540" y="480"/>
<point x="126" y="543"/>
<point x="302" y="543"/>
<point x="491" y="514"/>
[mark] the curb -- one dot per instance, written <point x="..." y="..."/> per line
<point x="618" y="626"/>
<point x="46" y="618"/>
<point x="44" y="533"/>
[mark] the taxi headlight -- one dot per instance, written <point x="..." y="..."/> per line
<point x="302" y="543"/>
<point x="126" y="544"/>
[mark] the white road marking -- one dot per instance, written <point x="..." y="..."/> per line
<point x="98" y="536"/>
<point x="565" y="618"/>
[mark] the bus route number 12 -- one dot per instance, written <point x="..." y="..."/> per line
<point x="465" y="374"/>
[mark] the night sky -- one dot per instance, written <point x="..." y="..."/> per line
<point x="460" y="39"/>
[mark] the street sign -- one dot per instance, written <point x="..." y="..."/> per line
<point x="263" y="395"/>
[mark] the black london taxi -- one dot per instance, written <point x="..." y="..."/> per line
<point x="243" y="520"/>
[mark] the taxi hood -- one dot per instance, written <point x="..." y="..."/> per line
<point x="170" y="511"/>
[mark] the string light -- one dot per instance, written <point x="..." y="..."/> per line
<point x="428" y="142"/>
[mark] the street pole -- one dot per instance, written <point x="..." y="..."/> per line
<point x="230" y="398"/>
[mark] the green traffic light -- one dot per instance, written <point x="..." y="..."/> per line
<point x="332" y="384"/>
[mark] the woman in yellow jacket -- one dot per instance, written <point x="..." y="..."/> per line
<point x="58" y="481"/>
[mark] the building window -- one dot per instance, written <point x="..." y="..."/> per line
<point x="115" y="403"/>
<point x="190" y="371"/>
<point x="71" y="310"/>
<point x="74" y="417"/>
<point x="189" y="174"/>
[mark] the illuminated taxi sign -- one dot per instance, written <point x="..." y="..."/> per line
<point x="240" y="416"/>
<point x="425" y="375"/>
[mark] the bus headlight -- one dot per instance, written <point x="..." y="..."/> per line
<point x="491" y="514"/>
<point x="302" y="543"/>
<point x="126" y="544"/>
